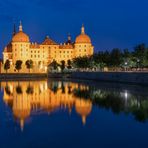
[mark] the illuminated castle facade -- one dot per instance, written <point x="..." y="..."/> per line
<point x="20" y="48"/>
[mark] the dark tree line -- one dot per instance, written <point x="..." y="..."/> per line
<point x="116" y="58"/>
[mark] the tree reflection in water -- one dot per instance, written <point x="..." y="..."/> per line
<point x="33" y="96"/>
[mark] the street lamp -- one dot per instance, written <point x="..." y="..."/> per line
<point x="125" y="66"/>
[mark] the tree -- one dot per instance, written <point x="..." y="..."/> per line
<point x="69" y="63"/>
<point x="115" y="57"/>
<point x="53" y="64"/>
<point x="29" y="64"/>
<point x="62" y="65"/>
<point x="82" y="62"/>
<point x="7" y="65"/>
<point x="18" y="65"/>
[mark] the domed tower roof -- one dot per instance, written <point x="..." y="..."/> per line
<point x="83" y="108"/>
<point x="21" y="115"/>
<point x="20" y="36"/>
<point x="83" y="38"/>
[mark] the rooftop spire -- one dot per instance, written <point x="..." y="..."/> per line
<point x="14" y="30"/>
<point x="69" y="37"/>
<point x="20" y="27"/>
<point x="82" y="29"/>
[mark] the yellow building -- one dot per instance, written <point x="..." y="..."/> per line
<point x="33" y="97"/>
<point x="20" y="48"/>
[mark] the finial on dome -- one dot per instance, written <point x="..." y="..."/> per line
<point x="47" y="36"/>
<point x="20" y="27"/>
<point x="82" y="29"/>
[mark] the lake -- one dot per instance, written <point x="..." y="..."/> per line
<point x="70" y="114"/>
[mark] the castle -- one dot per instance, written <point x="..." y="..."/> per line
<point x="20" y="48"/>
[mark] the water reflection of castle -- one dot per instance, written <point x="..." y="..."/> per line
<point x="27" y="97"/>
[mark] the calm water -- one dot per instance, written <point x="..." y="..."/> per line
<point x="73" y="114"/>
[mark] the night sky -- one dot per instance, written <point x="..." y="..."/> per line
<point x="109" y="23"/>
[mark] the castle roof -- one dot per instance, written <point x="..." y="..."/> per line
<point x="49" y="41"/>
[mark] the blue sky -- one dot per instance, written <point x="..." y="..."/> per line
<point x="109" y="23"/>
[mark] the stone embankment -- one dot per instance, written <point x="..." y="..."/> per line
<point x="120" y="77"/>
<point x="22" y="76"/>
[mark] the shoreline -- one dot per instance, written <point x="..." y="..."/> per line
<point x="134" y="78"/>
<point x="21" y="76"/>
